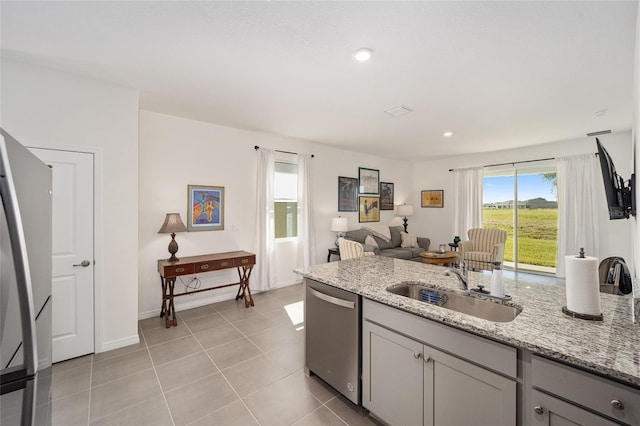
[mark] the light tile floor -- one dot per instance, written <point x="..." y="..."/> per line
<point x="222" y="365"/>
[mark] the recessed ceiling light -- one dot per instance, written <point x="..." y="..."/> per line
<point x="447" y="134"/>
<point x="363" y="55"/>
<point x="601" y="112"/>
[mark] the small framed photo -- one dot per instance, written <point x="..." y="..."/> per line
<point x="205" y="209"/>
<point x="368" y="181"/>
<point x="386" y="196"/>
<point x="347" y="194"/>
<point x="369" y="209"/>
<point x="432" y="198"/>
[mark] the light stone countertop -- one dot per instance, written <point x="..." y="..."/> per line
<point x="610" y="347"/>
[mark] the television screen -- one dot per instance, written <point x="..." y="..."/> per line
<point x="618" y="197"/>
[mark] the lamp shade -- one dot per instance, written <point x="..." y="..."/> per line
<point x="172" y="224"/>
<point x="405" y="210"/>
<point x="339" y="224"/>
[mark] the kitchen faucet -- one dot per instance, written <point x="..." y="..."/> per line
<point x="460" y="272"/>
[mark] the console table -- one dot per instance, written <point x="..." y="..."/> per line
<point x="192" y="265"/>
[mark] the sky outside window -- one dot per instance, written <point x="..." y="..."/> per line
<point x="500" y="188"/>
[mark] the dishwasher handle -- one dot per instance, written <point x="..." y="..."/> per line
<point x="334" y="300"/>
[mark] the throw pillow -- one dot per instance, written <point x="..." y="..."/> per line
<point x="380" y="231"/>
<point x="408" y="240"/>
<point x="369" y="241"/>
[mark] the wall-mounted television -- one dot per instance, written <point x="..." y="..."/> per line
<point x="621" y="198"/>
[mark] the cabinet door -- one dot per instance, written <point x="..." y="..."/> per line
<point x="391" y="376"/>
<point x="548" y="411"/>
<point x="457" y="392"/>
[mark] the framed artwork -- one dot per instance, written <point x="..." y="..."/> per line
<point x="386" y="196"/>
<point x="347" y="194"/>
<point x="205" y="209"/>
<point x="369" y="209"/>
<point x="432" y="198"/>
<point x="368" y="181"/>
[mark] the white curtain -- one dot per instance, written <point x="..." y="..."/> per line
<point x="577" y="208"/>
<point x="306" y="238"/>
<point x="467" y="200"/>
<point x="265" y="269"/>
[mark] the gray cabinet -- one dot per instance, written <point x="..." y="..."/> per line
<point x="391" y="376"/>
<point x="457" y="392"/>
<point x="551" y="411"/>
<point x="564" y="395"/>
<point x="408" y="382"/>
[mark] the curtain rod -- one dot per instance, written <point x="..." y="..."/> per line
<point x="284" y="152"/>
<point x="513" y="163"/>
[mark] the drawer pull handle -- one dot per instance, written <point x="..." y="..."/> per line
<point x="204" y="266"/>
<point x="427" y="359"/>
<point x="224" y="264"/>
<point x="179" y="270"/>
<point x="617" y="404"/>
<point x="245" y="260"/>
<point x="417" y="355"/>
<point x="538" y="409"/>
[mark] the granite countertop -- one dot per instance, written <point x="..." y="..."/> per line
<point x="610" y="347"/>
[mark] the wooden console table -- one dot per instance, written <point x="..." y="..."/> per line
<point x="192" y="265"/>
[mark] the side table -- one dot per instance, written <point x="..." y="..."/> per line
<point x="333" y="251"/>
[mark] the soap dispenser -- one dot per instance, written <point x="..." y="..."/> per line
<point x="497" y="286"/>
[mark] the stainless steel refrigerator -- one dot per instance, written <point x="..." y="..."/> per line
<point x="25" y="291"/>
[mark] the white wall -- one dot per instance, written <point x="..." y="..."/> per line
<point x="615" y="236"/>
<point x="64" y="110"/>
<point x="176" y="152"/>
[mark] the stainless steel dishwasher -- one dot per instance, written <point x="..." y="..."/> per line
<point x="332" y="325"/>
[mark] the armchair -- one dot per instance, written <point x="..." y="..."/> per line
<point x="351" y="249"/>
<point x="483" y="247"/>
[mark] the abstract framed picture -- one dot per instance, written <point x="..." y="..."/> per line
<point x="386" y="196"/>
<point x="432" y="198"/>
<point x="347" y="194"/>
<point x="368" y="181"/>
<point x="205" y="209"/>
<point x="369" y="209"/>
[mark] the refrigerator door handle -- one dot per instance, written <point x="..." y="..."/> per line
<point x="20" y="262"/>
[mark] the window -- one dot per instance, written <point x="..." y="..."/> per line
<point x="531" y="221"/>
<point x="286" y="200"/>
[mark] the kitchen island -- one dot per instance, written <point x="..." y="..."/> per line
<point x="609" y="349"/>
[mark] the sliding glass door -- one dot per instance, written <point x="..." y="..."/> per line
<point x="523" y="202"/>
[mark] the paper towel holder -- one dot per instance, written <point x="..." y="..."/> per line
<point x="589" y="317"/>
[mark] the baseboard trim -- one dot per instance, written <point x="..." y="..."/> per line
<point x="205" y="301"/>
<point x="120" y="343"/>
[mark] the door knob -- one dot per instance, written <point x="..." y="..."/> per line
<point x="84" y="263"/>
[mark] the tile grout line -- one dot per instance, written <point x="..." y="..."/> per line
<point x="225" y="377"/>
<point x="153" y="365"/>
<point x="90" y="389"/>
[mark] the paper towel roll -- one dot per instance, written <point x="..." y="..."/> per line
<point x="583" y="288"/>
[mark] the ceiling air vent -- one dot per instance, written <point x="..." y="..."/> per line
<point x="601" y="132"/>
<point x="399" y="110"/>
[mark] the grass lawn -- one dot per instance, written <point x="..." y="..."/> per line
<point x="537" y="234"/>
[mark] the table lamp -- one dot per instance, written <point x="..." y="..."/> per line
<point x="172" y="224"/>
<point x="405" y="210"/>
<point x="339" y="225"/>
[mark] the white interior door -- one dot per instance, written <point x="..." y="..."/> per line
<point x="73" y="261"/>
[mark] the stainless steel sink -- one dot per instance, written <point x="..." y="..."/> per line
<point x="465" y="304"/>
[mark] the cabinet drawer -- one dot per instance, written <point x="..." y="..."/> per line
<point x="244" y="261"/>
<point x="213" y="265"/>
<point x="588" y="390"/>
<point x="176" y="270"/>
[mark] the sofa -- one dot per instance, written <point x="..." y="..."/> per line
<point x="390" y="248"/>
